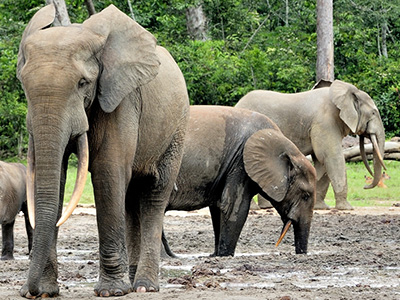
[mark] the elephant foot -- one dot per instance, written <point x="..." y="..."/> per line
<point x="112" y="288"/>
<point x="7" y="257"/>
<point x="343" y="205"/>
<point x="144" y="286"/>
<point x="321" y="205"/>
<point x="45" y="291"/>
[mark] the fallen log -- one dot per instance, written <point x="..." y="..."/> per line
<point x="392" y="152"/>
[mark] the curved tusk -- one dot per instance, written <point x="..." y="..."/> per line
<point x="83" y="164"/>
<point x="284" y="230"/>
<point x="377" y="151"/>
<point x="30" y="182"/>
<point x="364" y="156"/>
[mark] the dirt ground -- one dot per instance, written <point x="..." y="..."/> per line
<point x="352" y="255"/>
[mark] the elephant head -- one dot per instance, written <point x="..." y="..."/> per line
<point x="286" y="178"/>
<point x="359" y="112"/>
<point x="66" y="73"/>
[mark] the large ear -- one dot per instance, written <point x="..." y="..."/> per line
<point x="267" y="163"/>
<point x="342" y="94"/>
<point x="42" y="19"/>
<point x="128" y="57"/>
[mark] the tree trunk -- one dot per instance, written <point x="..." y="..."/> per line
<point x="90" y="7"/>
<point x="287" y="13"/>
<point x="325" y="61"/>
<point x="384" y="38"/>
<point x="196" y="23"/>
<point x="62" y="18"/>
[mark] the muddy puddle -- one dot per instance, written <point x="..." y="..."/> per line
<point x="351" y="256"/>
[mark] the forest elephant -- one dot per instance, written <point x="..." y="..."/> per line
<point x="316" y="121"/>
<point x="232" y="154"/>
<point x="12" y="201"/>
<point x="104" y="90"/>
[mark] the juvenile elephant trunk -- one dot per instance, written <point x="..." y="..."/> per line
<point x="301" y="233"/>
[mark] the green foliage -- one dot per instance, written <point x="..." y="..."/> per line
<point x="253" y="44"/>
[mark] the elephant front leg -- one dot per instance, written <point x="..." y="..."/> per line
<point x="8" y="241"/>
<point x="144" y="231"/>
<point x="336" y="170"/>
<point x="109" y="199"/>
<point x="233" y="219"/>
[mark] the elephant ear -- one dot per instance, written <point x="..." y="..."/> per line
<point x="343" y="95"/>
<point x="128" y="55"/>
<point x="267" y="162"/>
<point x="42" y="19"/>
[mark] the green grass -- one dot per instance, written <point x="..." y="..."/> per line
<point x="87" y="196"/>
<point x="357" y="195"/>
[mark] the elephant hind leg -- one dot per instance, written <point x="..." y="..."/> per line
<point x="8" y="241"/>
<point x="216" y="222"/>
<point x="322" y="189"/>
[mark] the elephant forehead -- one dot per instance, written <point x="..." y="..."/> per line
<point x="59" y="41"/>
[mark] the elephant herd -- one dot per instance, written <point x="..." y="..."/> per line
<point x="104" y="90"/>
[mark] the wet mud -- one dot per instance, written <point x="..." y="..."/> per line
<point x="351" y="256"/>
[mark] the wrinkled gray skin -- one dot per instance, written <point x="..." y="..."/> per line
<point x="316" y="121"/>
<point x="231" y="155"/>
<point x="106" y="79"/>
<point x="12" y="201"/>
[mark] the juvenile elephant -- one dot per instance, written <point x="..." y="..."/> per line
<point x="316" y="121"/>
<point x="12" y="201"/>
<point x="231" y="155"/>
<point x="104" y="90"/>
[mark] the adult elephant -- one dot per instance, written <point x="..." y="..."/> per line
<point x="12" y="201"/>
<point x="316" y="121"/>
<point x="231" y="155"/>
<point x="104" y="90"/>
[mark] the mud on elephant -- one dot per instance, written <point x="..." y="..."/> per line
<point x="231" y="155"/>
<point x="316" y="121"/>
<point x="12" y="201"/>
<point x="102" y="89"/>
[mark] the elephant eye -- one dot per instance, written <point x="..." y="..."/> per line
<point x="82" y="83"/>
<point x="306" y="196"/>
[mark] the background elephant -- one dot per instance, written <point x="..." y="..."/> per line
<point x="104" y="90"/>
<point x="12" y="201"/>
<point x="231" y="155"/>
<point x="316" y="122"/>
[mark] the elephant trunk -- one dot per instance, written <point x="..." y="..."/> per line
<point x="301" y="233"/>
<point x="47" y="176"/>
<point x="45" y="192"/>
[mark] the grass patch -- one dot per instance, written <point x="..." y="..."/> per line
<point x="87" y="196"/>
<point x="358" y="196"/>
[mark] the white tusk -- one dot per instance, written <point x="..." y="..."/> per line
<point x="30" y="182"/>
<point x="377" y="151"/>
<point x="83" y="165"/>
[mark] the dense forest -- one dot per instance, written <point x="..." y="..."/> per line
<point x="243" y="45"/>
